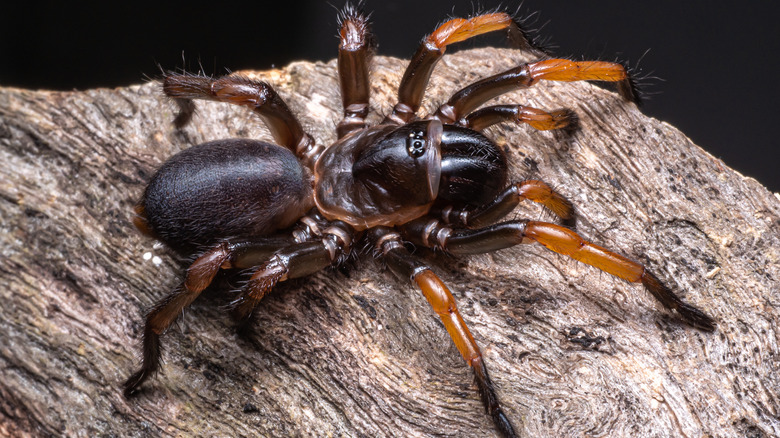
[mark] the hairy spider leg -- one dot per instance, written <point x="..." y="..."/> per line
<point x="256" y="95"/>
<point x="199" y="276"/>
<point x="432" y="48"/>
<point x="532" y="190"/>
<point x="541" y="120"/>
<point x="294" y="261"/>
<point x="355" y="51"/>
<point x="558" y="239"/>
<point x="471" y="97"/>
<point x="405" y="265"/>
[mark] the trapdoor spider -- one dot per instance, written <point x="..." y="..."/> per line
<point x="290" y="209"/>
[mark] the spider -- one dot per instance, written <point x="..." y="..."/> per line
<point x="293" y="208"/>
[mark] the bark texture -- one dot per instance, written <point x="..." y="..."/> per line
<point x="572" y="351"/>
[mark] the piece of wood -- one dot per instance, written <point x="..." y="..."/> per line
<point x="572" y="351"/>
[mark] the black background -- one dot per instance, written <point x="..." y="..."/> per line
<point x="711" y="67"/>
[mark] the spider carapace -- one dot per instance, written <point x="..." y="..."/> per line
<point x="290" y="209"/>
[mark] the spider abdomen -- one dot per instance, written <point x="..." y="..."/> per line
<point x="225" y="189"/>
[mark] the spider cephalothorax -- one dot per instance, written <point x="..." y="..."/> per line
<point x="290" y="209"/>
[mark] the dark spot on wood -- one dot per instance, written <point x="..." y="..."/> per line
<point x="531" y="164"/>
<point x="581" y="337"/>
<point x="365" y="305"/>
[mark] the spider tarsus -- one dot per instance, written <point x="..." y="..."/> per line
<point x="567" y="119"/>
<point x="503" y="425"/>
<point x="690" y="314"/>
<point x="150" y="364"/>
<point x="186" y="110"/>
<point x="241" y="310"/>
<point x="563" y="209"/>
<point x="628" y="88"/>
<point x="696" y="317"/>
<point x="570" y="221"/>
<point x="353" y="13"/>
<point x="178" y="82"/>
<point x="521" y="37"/>
<point x="490" y="399"/>
<point x="133" y="382"/>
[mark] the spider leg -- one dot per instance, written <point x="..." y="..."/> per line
<point x="480" y="119"/>
<point x="355" y="51"/>
<point x="294" y="261"/>
<point x="166" y="311"/>
<point x="532" y="190"/>
<point x="238" y="90"/>
<point x="471" y="97"/>
<point x="558" y="239"/>
<point x="432" y="48"/>
<point x="199" y="275"/>
<point x="405" y="265"/>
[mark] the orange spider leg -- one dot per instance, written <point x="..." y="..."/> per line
<point x="460" y="29"/>
<point x="534" y="117"/>
<point x="461" y="105"/>
<point x="400" y="261"/>
<point x="532" y="190"/>
<point x="568" y="71"/>
<point x="432" y="48"/>
<point x="443" y="303"/>
<point x="539" y="192"/>
<point x="567" y="242"/>
<point x="555" y="238"/>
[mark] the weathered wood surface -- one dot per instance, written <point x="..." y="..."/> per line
<point x="573" y="351"/>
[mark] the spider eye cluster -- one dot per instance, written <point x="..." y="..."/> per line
<point x="415" y="143"/>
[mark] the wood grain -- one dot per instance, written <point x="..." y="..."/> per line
<point x="573" y="352"/>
